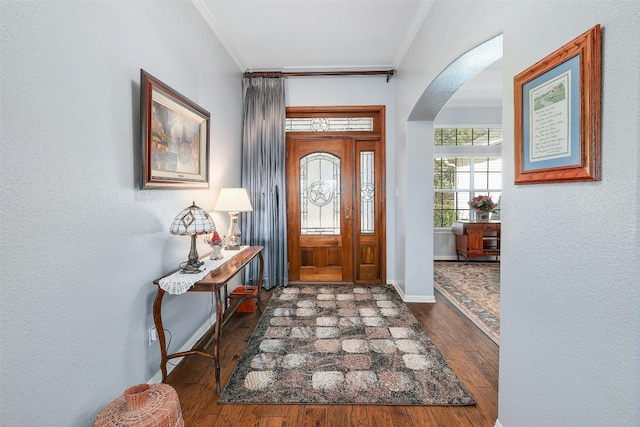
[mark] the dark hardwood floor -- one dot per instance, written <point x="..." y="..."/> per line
<point x="471" y="354"/>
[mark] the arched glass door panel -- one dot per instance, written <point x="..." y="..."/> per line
<point x="320" y="194"/>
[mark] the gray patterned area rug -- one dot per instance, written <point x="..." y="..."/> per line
<point x="475" y="289"/>
<point x="342" y="345"/>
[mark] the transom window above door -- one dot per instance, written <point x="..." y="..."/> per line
<point x="347" y="120"/>
<point x="329" y="124"/>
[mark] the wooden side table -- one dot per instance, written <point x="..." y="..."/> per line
<point x="477" y="239"/>
<point x="214" y="282"/>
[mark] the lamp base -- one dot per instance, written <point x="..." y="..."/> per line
<point x="233" y="235"/>
<point x="191" y="268"/>
<point x="193" y="265"/>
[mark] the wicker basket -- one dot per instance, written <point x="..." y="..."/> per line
<point x="143" y="405"/>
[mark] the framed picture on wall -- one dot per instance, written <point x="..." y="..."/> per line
<point x="175" y="138"/>
<point x="557" y="114"/>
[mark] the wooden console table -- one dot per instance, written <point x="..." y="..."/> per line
<point x="477" y="239"/>
<point x="214" y="282"/>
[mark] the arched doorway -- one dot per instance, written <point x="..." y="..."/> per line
<point x="419" y="140"/>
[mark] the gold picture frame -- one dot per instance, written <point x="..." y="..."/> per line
<point x="557" y="114"/>
<point x="175" y="138"/>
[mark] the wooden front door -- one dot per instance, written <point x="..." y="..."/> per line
<point x="335" y="209"/>
<point x="319" y="211"/>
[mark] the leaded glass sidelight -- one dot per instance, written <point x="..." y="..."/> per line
<point x="320" y="194"/>
<point x="367" y="192"/>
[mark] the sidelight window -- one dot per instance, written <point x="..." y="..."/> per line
<point x="367" y="192"/>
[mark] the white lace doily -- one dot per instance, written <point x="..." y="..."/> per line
<point x="179" y="283"/>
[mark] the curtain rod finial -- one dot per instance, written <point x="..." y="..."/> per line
<point x="390" y="74"/>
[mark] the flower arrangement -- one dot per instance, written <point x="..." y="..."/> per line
<point x="482" y="204"/>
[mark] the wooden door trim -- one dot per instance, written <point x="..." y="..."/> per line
<point x="377" y="136"/>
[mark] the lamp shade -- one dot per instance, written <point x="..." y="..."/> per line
<point x="233" y="200"/>
<point x="191" y="221"/>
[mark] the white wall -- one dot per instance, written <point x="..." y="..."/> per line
<point x="479" y="116"/>
<point x="356" y="90"/>
<point x="569" y="302"/>
<point x="417" y="211"/>
<point x="81" y="244"/>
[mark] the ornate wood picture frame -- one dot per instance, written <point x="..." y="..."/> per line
<point x="557" y="114"/>
<point x="175" y="138"/>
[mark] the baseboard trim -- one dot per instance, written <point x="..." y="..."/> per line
<point x="446" y="258"/>
<point x="412" y="298"/>
<point x="420" y="298"/>
<point x="497" y="424"/>
<point x="191" y="342"/>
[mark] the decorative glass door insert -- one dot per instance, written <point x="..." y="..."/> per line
<point x="367" y="192"/>
<point x="320" y="194"/>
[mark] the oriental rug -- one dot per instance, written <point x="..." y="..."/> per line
<point x="474" y="289"/>
<point x="342" y="345"/>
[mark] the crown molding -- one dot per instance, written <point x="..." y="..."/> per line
<point x="213" y="24"/>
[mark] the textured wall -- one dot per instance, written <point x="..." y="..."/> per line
<point x="569" y="303"/>
<point x="570" y="337"/>
<point x="80" y="243"/>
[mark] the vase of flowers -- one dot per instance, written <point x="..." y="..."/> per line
<point x="483" y="206"/>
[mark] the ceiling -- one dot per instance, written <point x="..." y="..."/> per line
<point x="315" y="34"/>
<point x="328" y="35"/>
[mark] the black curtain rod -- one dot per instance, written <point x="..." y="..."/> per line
<point x="272" y="74"/>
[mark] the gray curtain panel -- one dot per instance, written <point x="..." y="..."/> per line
<point x="263" y="175"/>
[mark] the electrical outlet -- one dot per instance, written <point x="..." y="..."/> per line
<point x="153" y="335"/>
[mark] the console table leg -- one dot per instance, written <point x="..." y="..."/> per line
<point x="157" y="320"/>
<point x="260" y="277"/>
<point x="218" y="332"/>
